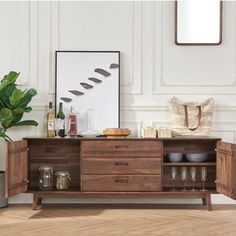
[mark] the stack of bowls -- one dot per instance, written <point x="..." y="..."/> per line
<point x="196" y="157"/>
<point x="175" y="156"/>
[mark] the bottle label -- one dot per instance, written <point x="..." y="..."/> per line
<point x="72" y="125"/>
<point x="51" y="125"/>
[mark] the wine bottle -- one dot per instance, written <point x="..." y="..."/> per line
<point x="72" y="123"/>
<point x="50" y="121"/>
<point x="61" y="116"/>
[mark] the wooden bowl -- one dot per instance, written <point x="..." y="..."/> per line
<point x="116" y="132"/>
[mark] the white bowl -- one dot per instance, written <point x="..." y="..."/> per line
<point x="175" y="156"/>
<point x="196" y="157"/>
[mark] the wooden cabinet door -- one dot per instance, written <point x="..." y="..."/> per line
<point x="226" y="169"/>
<point x="16" y="168"/>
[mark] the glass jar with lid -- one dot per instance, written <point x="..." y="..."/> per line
<point x="46" y="177"/>
<point x="62" y="180"/>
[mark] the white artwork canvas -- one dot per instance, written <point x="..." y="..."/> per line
<point x="89" y="80"/>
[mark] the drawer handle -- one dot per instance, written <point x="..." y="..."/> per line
<point x="121" y="163"/>
<point x="121" y="146"/>
<point x="122" y="180"/>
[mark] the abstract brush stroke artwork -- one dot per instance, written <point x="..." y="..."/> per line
<point x="66" y="99"/>
<point x="76" y="92"/>
<point x="102" y="72"/>
<point x="114" y="66"/>
<point x="86" y="86"/>
<point x="95" y="80"/>
<point x="90" y="80"/>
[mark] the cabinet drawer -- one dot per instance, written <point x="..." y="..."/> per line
<point x="126" y="183"/>
<point x="121" y="166"/>
<point x="121" y="148"/>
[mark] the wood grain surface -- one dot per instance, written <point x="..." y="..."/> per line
<point x="116" y="220"/>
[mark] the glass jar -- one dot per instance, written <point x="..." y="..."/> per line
<point x="62" y="180"/>
<point x="46" y="177"/>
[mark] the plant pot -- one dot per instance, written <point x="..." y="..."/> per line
<point x="3" y="153"/>
<point x="3" y="200"/>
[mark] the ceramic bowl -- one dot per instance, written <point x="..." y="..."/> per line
<point x="175" y="156"/>
<point x="196" y="157"/>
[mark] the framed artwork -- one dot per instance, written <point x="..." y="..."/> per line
<point x="89" y="81"/>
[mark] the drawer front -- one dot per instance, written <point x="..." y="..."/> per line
<point x="121" y="148"/>
<point x="124" y="183"/>
<point x="121" y="166"/>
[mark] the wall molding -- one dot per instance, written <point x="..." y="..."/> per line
<point x="54" y="43"/>
<point x="164" y="108"/>
<point x="134" y="84"/>
<point x="144" y="108"/>
<point x="32" y="47"/>
<point x="160" y="86"/>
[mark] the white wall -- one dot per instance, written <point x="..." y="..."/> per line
<point x="153" y="68"/>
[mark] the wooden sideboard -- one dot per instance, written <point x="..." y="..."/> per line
<point x="121" y="167"/>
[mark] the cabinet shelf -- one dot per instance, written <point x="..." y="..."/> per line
<point x="54" y="190"/>
<point x="189" y="164"/>
<point x="168" y="150"/>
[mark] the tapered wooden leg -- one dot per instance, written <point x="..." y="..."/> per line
<point x="36" y="201"/>
<point x="208" y="202"/>
<point x="204" y="201"/>
<point x="39" y="201"/>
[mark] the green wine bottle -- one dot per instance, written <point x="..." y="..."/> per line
<point x="61" y="115"/>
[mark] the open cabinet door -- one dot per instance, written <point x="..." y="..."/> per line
<point x="226" y="169"/>
<point x="16" y="168"/>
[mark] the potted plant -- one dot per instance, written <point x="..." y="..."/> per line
<point x="13" y="104"/>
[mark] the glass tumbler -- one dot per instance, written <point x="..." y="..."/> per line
<point x="46" y="177"/>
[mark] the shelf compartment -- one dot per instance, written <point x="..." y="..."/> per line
<point x="211" y="176"/>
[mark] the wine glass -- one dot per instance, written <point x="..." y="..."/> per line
<point x="173" y="177"/>
<point x="193" y="172"/>
<point x="57" y="125"/>
<point x="203" y="177"/>
<point x="184" y="177"/>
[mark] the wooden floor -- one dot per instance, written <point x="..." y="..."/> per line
<point x="122" y="220"/>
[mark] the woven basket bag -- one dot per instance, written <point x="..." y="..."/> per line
<point x="190" y="118"/>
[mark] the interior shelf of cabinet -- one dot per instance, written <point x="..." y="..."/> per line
<point x="54" y="190"/>
<point x="166" y="151"/>
<point x="189" y="163"/>
<point x="188" y="190"/>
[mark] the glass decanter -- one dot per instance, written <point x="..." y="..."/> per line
<point x="90" y="131"/>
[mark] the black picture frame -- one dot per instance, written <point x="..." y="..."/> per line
<point x="101" y="77"/>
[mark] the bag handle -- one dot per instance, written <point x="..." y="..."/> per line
<point x="186" y="117"/>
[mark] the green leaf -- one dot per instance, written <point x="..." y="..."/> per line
<point x="3" y="135"/>
<point x="2" y="132"/>
<point x="15" y="97"/>
<point x="18" y="111"/>
<point x="5" y="95"/>
<point x="27" y="122"/>
<point x="13" y="104"/>
<point x="10" y="78"/>
<point x="16" y="119"/>
<point x="28" y="109"/>
<point x="6" y="117"/>
<point x="27" y="98"/>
